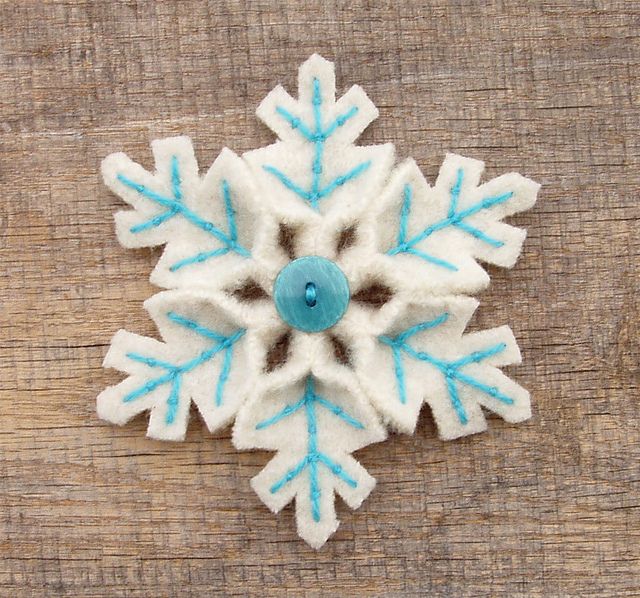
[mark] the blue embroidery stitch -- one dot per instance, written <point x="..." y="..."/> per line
<point x="175" y="206"/>
<point x="318" y="136"/>
<point x="449" y="369"/>
<point x="311" y="294"/>
<point x="454" y="218"/>
<point x="175" y="372"/>
<point x="314" y="456"/>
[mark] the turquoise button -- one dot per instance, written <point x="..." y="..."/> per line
<point x="311" y="293"/>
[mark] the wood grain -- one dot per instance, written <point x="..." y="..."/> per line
<point x="547" y="508"/>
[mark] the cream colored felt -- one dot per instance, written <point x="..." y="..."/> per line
<point x="413" y="251"/>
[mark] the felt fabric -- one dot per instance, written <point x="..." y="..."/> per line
<point x="454" y="374"/>
<point x="206" y="223"/>
<point x="444" y="229"/>
<point x="314" y="424"/>
<point x="204" y="337"/>
<point x="410" y="251"/>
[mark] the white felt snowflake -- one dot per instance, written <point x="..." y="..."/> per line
<point x="316" y="295"/>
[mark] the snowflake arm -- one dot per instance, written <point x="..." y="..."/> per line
<point x="442" y="230"/>
<point x="318" y="132"/>
<point x="200" y="361"/>
<point x="198" y="219"/>
<point x="318" y="136"/>
<point x="314" y="437"/>
<point x="427" y="358"/>
<point x="314" y="457"/>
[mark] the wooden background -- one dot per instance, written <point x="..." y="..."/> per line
<point x="547" y="508"/>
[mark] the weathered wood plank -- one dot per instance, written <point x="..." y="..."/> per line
<point x="548" y="508"/>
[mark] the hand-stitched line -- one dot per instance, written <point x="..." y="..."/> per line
<point x="396" y="350"/>
<point x="174" y="372"/>
<point x="314" y="456"/>
<point x="176" y="206"/>
<point x="318" y="136"/>
<point x="454" y="218"/>
<point x="451" y="370"/>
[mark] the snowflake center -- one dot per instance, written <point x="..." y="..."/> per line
<point x="311" y="293"/>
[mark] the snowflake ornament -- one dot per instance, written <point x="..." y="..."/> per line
<point x="316" y="294"/>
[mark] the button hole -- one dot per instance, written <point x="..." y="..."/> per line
<point x="310" y="294"/>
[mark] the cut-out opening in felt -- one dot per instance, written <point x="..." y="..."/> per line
<point x="346" y="238"/>
<point x="374" y="294"/>
<point x="286" y="240"/>
<point x="249" y="290"/>
<point x="409" y="252"/>
<point x="341" y="351"/>
<point x="278" y="352"/>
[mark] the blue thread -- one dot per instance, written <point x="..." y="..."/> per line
<point x="173" y="400"/>
<point x="342" y="179"/>
<point x="314" y="456"/>
<point x="211" y="352"/>
<point x="175" y="179"/>
<point x="478" y="356"/>
<point x="198" y="258"/>
<point x="316" y="167"/>
<point x="399" y="371"/>
<point x="230" y="212"/>
<point x="492" y="391"/>
<point x="449" y="369"/>
<point x="295" y="123"/>
<point x="487" y="202"/>
<point x="409" y="332"/>
<point x="317" y="102"/>
<point x="290" y="475"/>
<point x="224" y="374"/>
<point x="287" y="182"/>
<point x="231" y="245"/>
<point x="192" y="325"/>
<point x="310" y="396"/>
<point x="404" y="214"/>
<point x="314" y="489"/>
<point x="395" y="344"/>
<point x="175" y="206"/>
<point x="288" y="410"/>
<point x="310" y="294"/>
<point x="455" y="400"/>
<point x="175" y="372"/>
<point x="156" y="221"/>
<point x="339" y="412"/>
<point x="336" y="469"/>
<point x="148" y="387"/>
<point x="432" y="259"/>
<point x="455" y="193"/>
<point x="318" y="136"/>
<point x="150" y="361"/>
<point x="478" y="234"/>
<point x="339" y="121"/>
<point x="454" y="218"/>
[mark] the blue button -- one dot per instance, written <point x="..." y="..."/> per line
<point x="311" y="293"/>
